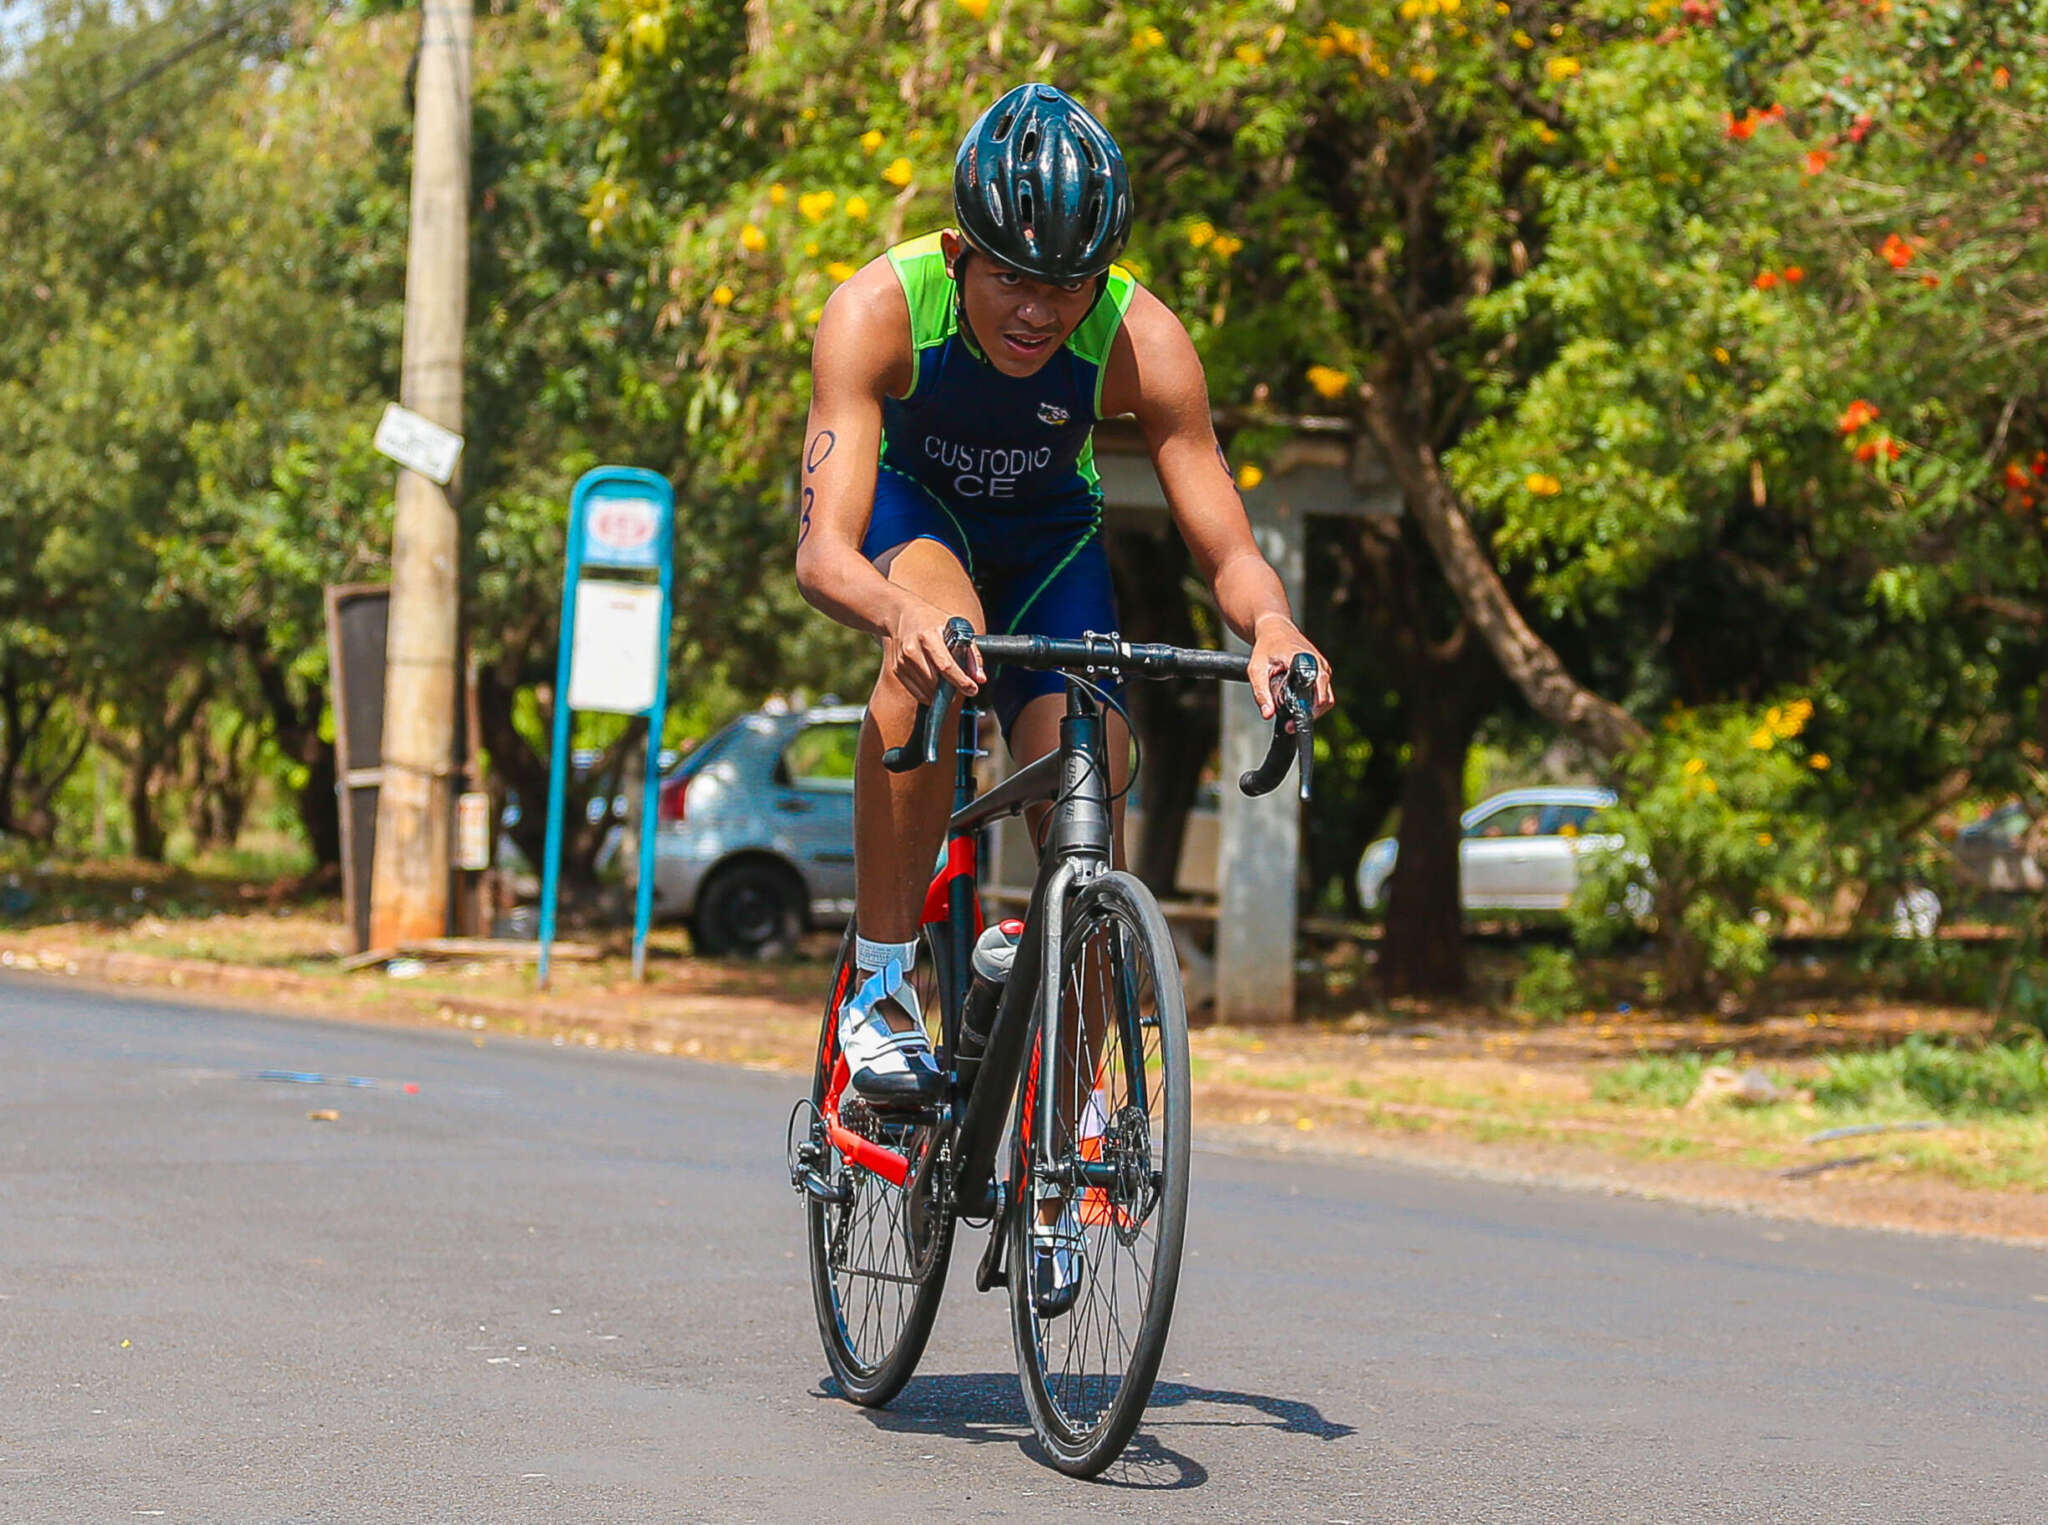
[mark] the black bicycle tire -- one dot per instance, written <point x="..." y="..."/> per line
<point x="1079" y="1453"/>
<point x="869" y="1384"/>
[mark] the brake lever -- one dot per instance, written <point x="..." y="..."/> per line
<point x="1293" y="732"/>
<point x="923" y="746"/>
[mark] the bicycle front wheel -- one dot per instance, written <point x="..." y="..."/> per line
<point x="878" y="1254"/>
<point x="1115" y="1189"/>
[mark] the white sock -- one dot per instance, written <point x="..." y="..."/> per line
<point x="870" y="956"/>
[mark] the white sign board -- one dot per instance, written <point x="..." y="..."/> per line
<point x="418" y="444"/>
<point x="618" y="647"/>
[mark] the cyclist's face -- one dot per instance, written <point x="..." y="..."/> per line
<point x="1019" y="321"/>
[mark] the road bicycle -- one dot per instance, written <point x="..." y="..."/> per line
<point x="1078" y="1061"/>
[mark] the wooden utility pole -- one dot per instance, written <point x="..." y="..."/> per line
<point x="409" y="878"/>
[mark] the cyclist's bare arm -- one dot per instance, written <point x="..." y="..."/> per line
<point x="862" y="354"/>
<point x="1154" y="373"/>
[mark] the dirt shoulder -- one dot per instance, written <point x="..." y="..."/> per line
<point x="1501" y="1102"/>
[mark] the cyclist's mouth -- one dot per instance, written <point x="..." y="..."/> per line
<point x="1027" y="346"/>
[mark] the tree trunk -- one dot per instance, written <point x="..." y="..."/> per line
<point x="1176" y="722"/>
<point x="145" y="832"/>
<point x="296" y="722"/>
<point x="1528" y="660"/>
<point x="1422" y="951"/>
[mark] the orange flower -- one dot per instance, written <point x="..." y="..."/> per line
<point x="1895" y="251"/>
<point x="1816" y="160"/>
<point x="1766" y="280"/>
<point x="2015" y="476"/>
<point x="1740" y="128"/>
<point x="1888" y="448"/>
<point x="2041" y="463"/>
<point x="1794" y="275"/>
<point x="2001" y="77"/>
<point x="1855" y="416"/>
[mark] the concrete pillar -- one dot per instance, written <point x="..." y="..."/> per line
<point x="1259" y="851"/>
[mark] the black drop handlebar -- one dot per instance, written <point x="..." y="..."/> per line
<point x="1293" y="721"/>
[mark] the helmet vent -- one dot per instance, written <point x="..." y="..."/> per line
<point x="1088" y="150"/>
<point x="1027" y="145"/>
<point x="1024" y="208"/>
<point x="1003" y="127"/>
<point x="1097" y="215"/>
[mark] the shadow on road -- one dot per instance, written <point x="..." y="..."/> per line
<point x="986" y="1406"/>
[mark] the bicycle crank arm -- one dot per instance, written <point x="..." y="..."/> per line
<point x="992" y="1272"/>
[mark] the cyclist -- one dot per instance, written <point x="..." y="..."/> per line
<point x="948" y="470"/>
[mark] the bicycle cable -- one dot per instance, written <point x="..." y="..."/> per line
<point x="1137" y="758"/>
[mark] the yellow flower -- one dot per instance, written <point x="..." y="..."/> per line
<point x="1710" y="786"/>
<point x="1545" y="133"/>
<point x="1543" y="484"/>
<point x="1523" y="39"/>
<point x="1561" y="66"/>
<point x="975" y="8"/>
<point x="777" y="194"/>
<point x="1693" y="766"/>
<point x="870" y="140"/>
<point x="1147" y="38"/>
<point x="1412" y="9"/>
<point x="1249" y="476"/>
<point x="752" y="239"/>
<point x="1223" y="246"/>
<point x="723" y="296"/>
<point x="1250" y="54"/>
<point x="1326" y="47"/>
<point x="1763" y="839"/>
<point x="839" y="270"/>
<point x="814" y="314"/>
<point x="898" y="173"/>
<point x="1797" y="713"/>
<point x="1343" y="36"/>
<point x="1201" y="233"/>
<point x="1329" y="382"/>
<point x="1422" y="74"/>
<point x="856" y="207"/>
<point x="811" y="249"/>
<point x="1762" y="738"/>
<point x="1721" y="354"/>
<point x="1820" y="762"/>
<point x="815" y="204"/>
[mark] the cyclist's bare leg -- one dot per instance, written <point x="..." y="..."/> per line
<point x="899" y="819"/>
<point x="1036" y="732"/>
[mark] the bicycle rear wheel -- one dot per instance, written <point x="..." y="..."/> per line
<point x="878" y="1255"/>
<point x="1120" y="1152"/>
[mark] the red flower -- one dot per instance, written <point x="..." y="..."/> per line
<point x="1855" y="416"/>
<point x="1816" y="160"/>
<point x="1895" y="251"/>
<point x="1884" y="445"/>
<point x="1794" y="275"/>
<point x="1703" y="12"/>
<point x="2015" y="476"/>
<point x="1765" y="281"/>
<point x="2041" y="463"/>
<point x="1859" y="129"/>
<point x="1740" y="128"/>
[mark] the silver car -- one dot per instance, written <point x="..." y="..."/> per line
<point x="754" y="840"/>
<point x="1520" y="851"/>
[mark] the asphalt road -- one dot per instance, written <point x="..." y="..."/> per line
<point x="566" y="1286"/>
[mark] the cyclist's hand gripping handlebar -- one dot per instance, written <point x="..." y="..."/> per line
<point x="1293" y="733"/>
<point x="923" y="746"/>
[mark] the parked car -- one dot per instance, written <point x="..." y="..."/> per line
<point x="1990" y="858"/>
<point x="1520" y="850"/>
<point x="754" y="836"/>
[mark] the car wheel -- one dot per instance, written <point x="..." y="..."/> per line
<point x="754" y="910"/>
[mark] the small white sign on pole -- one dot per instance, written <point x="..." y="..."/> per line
<point x="618" y="647"/>
<point x="418" y="444"/>
<point x="473" y="831"/>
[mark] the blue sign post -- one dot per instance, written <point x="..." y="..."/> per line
<point x="613" y="655"/>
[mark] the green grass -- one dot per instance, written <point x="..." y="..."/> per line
<point x="1923" y="1074"/>
<point x="1654" y="1080"/>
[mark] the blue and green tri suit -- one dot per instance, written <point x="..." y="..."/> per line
<point x="1001" y="469"/>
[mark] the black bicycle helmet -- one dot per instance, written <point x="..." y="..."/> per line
<point x="1041" y="185"/>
